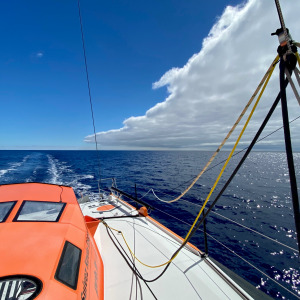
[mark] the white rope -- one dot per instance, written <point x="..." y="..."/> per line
<point x="241" y="225"/>
<point x="158" y="197"/>
<point x="255" y="267"/>
<point x="146" y="193"/>
<point x="161" y="200"/>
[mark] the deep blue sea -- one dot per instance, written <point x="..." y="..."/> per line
<point x="258" y="197"/>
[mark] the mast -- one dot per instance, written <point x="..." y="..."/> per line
<point x="288" y="61"/>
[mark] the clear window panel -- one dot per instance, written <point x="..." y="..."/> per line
<point x="40" y="211"/>
<point x="5" y="209"/>
<point x="68" y="267"/>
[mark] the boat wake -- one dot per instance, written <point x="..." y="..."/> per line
<point x="62" y="174"/>
<point x="45" y="168"/>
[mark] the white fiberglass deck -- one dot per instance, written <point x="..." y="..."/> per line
<point x="188" y="277"/>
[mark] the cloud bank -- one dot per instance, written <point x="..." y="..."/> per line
<point x="207" y="94"/>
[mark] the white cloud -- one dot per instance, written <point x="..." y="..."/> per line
<point x="208" y="93"/>
<point x="39" y="54"/>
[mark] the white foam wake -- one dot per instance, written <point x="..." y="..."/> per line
<point x="61" y="173"/>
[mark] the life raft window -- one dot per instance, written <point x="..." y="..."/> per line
<point x="68" y="266"/>
<point x="19" y="287"/>
<point x="39" y="211"/>
<point x="5" y="209"/>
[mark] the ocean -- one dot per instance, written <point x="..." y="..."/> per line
<point x="258" y="197"/>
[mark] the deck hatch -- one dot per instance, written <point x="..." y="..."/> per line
<point x="68" y="266"/>
<point x="39" y="211"/>
<point x="5" y="209"/>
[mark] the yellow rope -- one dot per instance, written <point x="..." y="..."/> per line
<point x="298" y="58"/>
<point x="131" y="250"/>
<point x="265" y="80"/>
<point x="231" y="153"/>
<point x="270" y="70"/>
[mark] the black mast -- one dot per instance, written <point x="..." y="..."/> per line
<point x="288" y="63"/>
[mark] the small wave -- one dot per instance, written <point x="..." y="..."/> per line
<point x="88" y="177"/>
<point x="2" y="172"/>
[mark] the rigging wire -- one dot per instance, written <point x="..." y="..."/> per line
<point x="264" y="82"/>
<point x="230" y="220"/>
<point x="89" y="89"/>
<point x="205" y="169"/>
<point x="227" y="183"/>
<point x="231" y="153"/>
<point x="214" y="166"/>
<point x="192" y="229"/>
<point x="226" y="218"/>
<point x="241" y="225"/>
<point x="133" y="267"/>
<point x="250" y="229"/>
<point x="264" y="79"/>
<point x="253" y="266"/>
<point x="186" y="240"/>
<point x="240" y="163"/>
<point x="288" y="62"/>
<point x="289" y="151"/>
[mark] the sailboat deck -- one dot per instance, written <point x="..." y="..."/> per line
<point x="188" y="277"/>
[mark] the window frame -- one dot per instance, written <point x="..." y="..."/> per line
<point x="9" y="211"/>
<point x="61" y="260"/>
<point x="51" y="221"/>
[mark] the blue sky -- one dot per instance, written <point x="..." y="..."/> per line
<point x="130" y="45"/>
